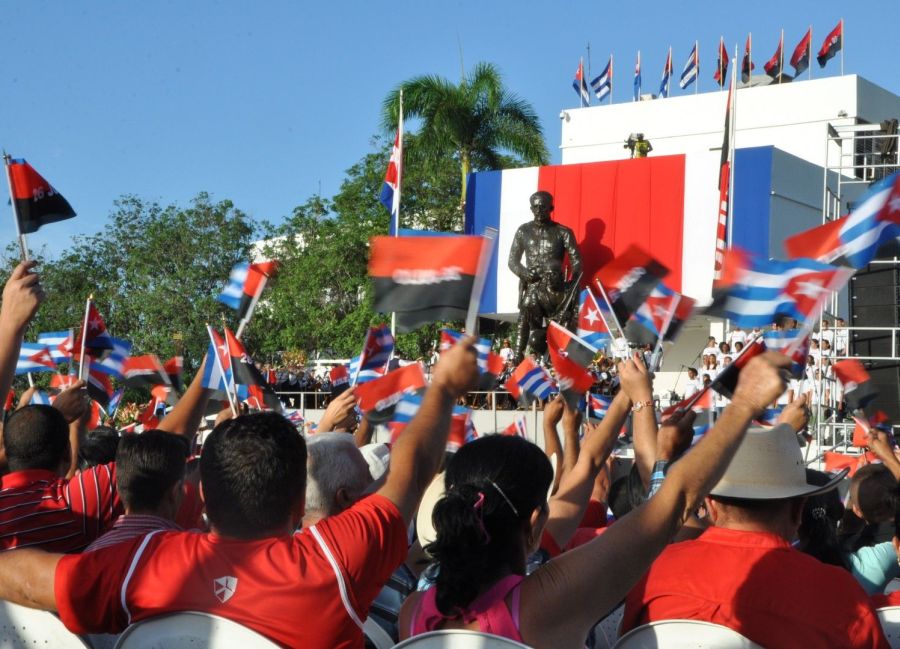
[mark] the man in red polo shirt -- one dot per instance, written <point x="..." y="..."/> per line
<point x="743" y="573"/>
<point x="302" y="590"/>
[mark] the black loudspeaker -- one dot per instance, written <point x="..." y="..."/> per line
<point x="875" y="302"/>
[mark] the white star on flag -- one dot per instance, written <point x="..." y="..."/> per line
<point x="811" y="288"/>
<point x="592" y="316"/>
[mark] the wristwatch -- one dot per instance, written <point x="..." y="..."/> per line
<point x="640" y="405"/>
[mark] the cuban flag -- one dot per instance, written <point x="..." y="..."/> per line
<point x="217" y="369"/>
<point x="855" y="240"/>
<point x="769" y="417"/>
<point x="666" y="76"/>
<point x="376" y="352"/>
<point x="528" y="382"/>
<point x="598" y="405"/>
<point x="363" y="376"/>
<point x="691" y="68"/>
<point x="593" y="321"/>
<point x="780" y="340"/>
<point x="390" y="190"/>
<point x="518" y="428"/>
<point x="113" y="363"/>
<point x="580" y="85"/>
<point x="755" y="292"/>
<point x="114" y="401"/>
<point x="461" y="428"/>
<point x="59" y="343"/>
<point x="40" y="398"/>
<point x="488" y="361"/>
<point x="245" y="284"/>
<point x="602" y="85"/>
<point x="34" y="357"/>
<point x="637" y="77"/>
<point x="570" y="356"/>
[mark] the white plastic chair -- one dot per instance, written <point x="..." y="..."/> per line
<point x="606" y="632"/>
<point x="191" y="630"/>
<point x="684" y="634"/>
<point x="459" y="639"/>
<point x="889" y="616"/>
<point x="27" y="627"/>
<point x="380" y="638"/>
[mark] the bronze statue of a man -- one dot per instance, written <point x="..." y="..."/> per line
<point x="543" y="289"/>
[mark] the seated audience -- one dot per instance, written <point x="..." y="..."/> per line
<point x="495" y="507"/>
<point x="743" y="572"/>
<point x="302" y="590"/>
<point x="150" y="480"/>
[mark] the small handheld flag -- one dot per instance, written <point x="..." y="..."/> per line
<point x="528" y="382"/>
<point x="245" y="284"/>
<point x="571" y="356"/>
<point x="35" y="202"/>
<point x="34" y="357"/>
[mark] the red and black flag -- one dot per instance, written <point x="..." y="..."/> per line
<point x="99" y="387"/>
<point x="36" y="202"/>
<point x="246" y="373"/>
<point x="570" y="357"/>
<point x="747" y="66"/>
<point x="726" y="382"/>
<point x="858" y="389"/>
<point x="340" y="379"/>
<point x="174" y="368"/>
<point x="721" y="73"/>
<point x="831" y="45"/>
<point x="628" y="280"/>
<point x="802" y="53"/>
<point x="144" y="372"/>
<point x="774" y="65"/>
<point x="424" y="279"/>
<point x="378" y="398"/>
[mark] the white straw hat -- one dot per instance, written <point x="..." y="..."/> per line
<point x="769" y="465"/>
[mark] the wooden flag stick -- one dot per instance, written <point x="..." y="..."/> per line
<point x="23" y="244"/>
<point x="487" y="251"/>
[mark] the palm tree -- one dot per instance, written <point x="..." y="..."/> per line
<point x="478" y="121"/>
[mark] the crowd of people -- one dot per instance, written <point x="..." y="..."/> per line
<point x="302" y="538"/>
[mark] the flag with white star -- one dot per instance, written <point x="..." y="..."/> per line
<point x="755" y="292"/>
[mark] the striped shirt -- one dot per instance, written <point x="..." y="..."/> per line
<point x="129" y="526"/>
<point x="40" y="509"/>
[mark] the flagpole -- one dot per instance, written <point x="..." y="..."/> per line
<point x="781" y="56"/>
<point x="750" y="60"/>
<point x="809" y="55"/>
<point x="697" y="59"/>
<point x="611" y="311"/>
<point x="251" y="308"/>
<point x="842" y="46"/>
<point x="637" y="96"/>
<point x="218" y="360"/>
<point x="23" y="244"/>
<point x="487" y="251"/>
<point x="665" y="326"/>
<point x="30" y="380"/>
<point x="610" y="78"/>
<point x="84" y="329"/>
<point x="589" y="60"/>
<point x="398" y="190"/>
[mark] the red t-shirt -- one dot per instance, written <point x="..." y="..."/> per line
<point x="758" y="585"/>
<point x="283" y="587"/>
<point x="41" y="510"/>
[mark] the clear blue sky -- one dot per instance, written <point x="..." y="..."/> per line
<point x="260" y="102"/>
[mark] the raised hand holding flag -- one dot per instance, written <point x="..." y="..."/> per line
<point x="571" y="357"/>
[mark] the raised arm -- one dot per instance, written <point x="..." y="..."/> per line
<point x="22" y="296"/>
<point x="553" y="411"/>
<point x="565" y="590"/>
<point x="567" y="507"/>
<point x="635" y="378"/>
<point x="417" y="454"/>
<point x="185" y="417"/>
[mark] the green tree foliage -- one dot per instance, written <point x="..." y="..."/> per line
<point x="154" y="271"/>
<point x="476" y="122"/>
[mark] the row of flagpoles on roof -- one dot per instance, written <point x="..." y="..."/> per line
<point x="601" y="86"/>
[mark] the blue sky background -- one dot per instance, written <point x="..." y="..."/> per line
<point x="264" y="102"/>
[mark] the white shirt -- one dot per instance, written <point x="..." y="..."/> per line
<point x="693" y="386"/>
<point x="506" y="353"/>
<point x="737" y="337"/>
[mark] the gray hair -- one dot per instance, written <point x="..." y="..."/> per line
<point x="333" y="463"/>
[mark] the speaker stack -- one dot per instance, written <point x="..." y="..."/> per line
<point x="875" y="302"/>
